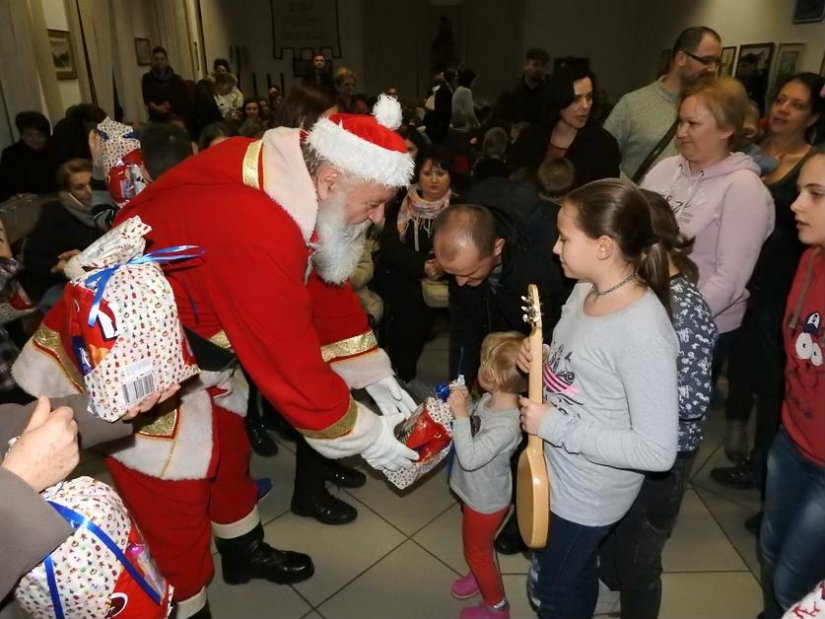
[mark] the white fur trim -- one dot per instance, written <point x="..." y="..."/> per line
<point x="387" y="112"/>
<point x="38" y="373"/>
<point x="187" y="456"/>
<point x="363" y="370"/>
<point x="286" y="179"/>
<point x="360" y="157"/>
<point x="239" y="527"/>
<point x="189" y="606"/>
<point x="365" y="431"/>
<point x="234" y="386"/>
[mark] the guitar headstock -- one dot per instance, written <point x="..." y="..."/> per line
<point x="532" y="309"/>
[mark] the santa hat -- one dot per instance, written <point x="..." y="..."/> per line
<point x="366" y="146"/>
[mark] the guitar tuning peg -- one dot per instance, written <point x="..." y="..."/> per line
<point x="525" y="318"/>
<point x="525" y="299"/>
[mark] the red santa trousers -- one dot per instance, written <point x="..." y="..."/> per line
<point x="175" y="517"/>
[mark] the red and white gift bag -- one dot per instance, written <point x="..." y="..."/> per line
<point x="429" y="432"/>
<point x="102" y="570"/>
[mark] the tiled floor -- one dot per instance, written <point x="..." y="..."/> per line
<point x="398" y="558"/>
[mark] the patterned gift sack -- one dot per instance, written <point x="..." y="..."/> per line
<point x="102" y="570"/>
<point x="118" y="245"/>
<point x="121" y="160"/>
<point x="126" y="337"/>
<point x="15" y="305"/>
<point x="429" y="432"/>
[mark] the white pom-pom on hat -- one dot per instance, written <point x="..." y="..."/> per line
<point x="387" y="112"/>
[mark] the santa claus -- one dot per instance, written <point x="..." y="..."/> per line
<point x="281" y="221"/>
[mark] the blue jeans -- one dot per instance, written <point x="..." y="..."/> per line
<point x="564" y="582"/>
<point x="792" y="538"/>
<point x="631" y="556"/>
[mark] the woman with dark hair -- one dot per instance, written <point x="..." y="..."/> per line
<point x="215" y="133"/>
<point x="406" y="258"/>
<point x="756" y="357"/>
<point x="28" y="165"/>
<point x="569" y="131"/>
<point x="301" y="108"/>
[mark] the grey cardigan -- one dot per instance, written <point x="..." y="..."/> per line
<point x="481" y="474"/>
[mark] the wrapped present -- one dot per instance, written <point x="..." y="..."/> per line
<point x="118" y="245"/>
<point x="125" y="335"/>
<point x="15" y="305"/>
<point x="122" y="160"/>
<point x="103" y="569"/>
<point x="428" y="431"/>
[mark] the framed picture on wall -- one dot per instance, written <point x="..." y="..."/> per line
<point x="753" y="70"/>
<point x="143" y="52"/>
<point x="728" y="60"/>
<point x="808" y="11"/>
<point x="788" y="59"/>
<point x="62" y="55"/>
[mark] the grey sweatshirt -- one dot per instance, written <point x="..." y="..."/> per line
<point x="481" y="475"/>
<point x="639" y="120"/>
<point x="612" y="383"/>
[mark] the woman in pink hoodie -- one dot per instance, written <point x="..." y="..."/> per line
<point x="718" y="198"/>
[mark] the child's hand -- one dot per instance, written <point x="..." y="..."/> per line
<point x="459" y="401"/>
<point x="524" y="356"/>
<point x="532" y="414"/>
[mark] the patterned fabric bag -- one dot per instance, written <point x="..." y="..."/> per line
<point x="102" y="570"/>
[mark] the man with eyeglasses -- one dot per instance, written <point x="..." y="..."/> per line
<point x="642" y="119"/>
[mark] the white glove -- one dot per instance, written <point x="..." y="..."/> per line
<point x="390" y="397"/>
<point x="371" y="436"/>
<point x="387" y="452"/>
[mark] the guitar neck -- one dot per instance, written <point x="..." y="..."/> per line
<point x="534" y="385"/>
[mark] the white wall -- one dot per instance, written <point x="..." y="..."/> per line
<point x="227" y="23"/>
<point x="55" y="13"/>
<point x="755" y="21"/>
<point x="602" y="30"/>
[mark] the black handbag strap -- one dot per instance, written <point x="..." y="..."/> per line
<point x="655" y="152"/>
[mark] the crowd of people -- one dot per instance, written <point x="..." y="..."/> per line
<point x="677" y="237"/>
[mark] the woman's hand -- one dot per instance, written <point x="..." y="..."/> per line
<point x="524" y="356"/>
<point x="47" y="450"/>
<point x="532" y="414"/>
<point x="62" y="259"/>
<point x="459" y="401"/>
<point x="432" y="269"/>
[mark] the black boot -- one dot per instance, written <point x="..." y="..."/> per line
<point x="323" y="506"/>
<point x="509" y="541"/>
<point x="259" y="438"/>
<point x="344" y="476"/>
<point x="249" y="556"/>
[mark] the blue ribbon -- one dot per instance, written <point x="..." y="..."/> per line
<point x="77" y="520"/>
<point x="102" y="277"/>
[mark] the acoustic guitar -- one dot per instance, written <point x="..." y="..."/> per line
<point x="532" y="483"/>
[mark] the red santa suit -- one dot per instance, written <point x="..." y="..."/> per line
<point x="251" y="206"/>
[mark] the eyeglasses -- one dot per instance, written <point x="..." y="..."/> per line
<point x="705" y="60"/>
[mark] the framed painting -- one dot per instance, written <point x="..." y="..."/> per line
<point x="62" y="55"/>
<point x="807" y="11"/>
<point x="143" y="52"/>
<point x="788" y="59"/>
<point x="728" y="61"/>
<point x="753" y="70"/>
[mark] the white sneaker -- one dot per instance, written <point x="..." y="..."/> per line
<point x="609" y="603"/>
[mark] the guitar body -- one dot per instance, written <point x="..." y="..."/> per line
<point x="532" y="481"/>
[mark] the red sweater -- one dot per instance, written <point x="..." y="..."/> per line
<point x="803" y="411"/>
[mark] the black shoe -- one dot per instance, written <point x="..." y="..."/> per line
<point x="740" y="476"/>
<point x="754" y="523"/>
<point x="509" y="541"/>
<point x="262" y="444"/>
<point x="249" y="556"/>
<point x="324" y="507"/>
<point x="344" y="476"/>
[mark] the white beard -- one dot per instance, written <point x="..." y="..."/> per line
<point x="339" y="245"/>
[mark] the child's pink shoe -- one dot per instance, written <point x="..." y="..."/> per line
<point x="464" y="587"/>
<point x="482" y="611"/>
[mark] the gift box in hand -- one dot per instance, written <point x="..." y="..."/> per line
<point x="103" y="569"/>
<point x="428" y="431"/>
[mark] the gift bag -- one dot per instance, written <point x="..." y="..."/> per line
<point x="125" y="335"/>
<point x="15" y="306"/>
<point x="118" y="245"/>
<point x="121" y="159"/>
<point x="103" y="569"/>
<point x="429" y="432"/>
